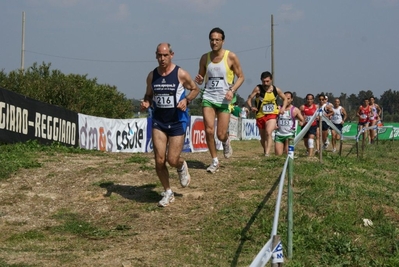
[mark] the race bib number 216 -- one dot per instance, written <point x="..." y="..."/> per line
<point x="165" y="101"/>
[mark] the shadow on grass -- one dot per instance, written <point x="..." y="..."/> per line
<point x="142" y="193"/>
<point x="351" y="150"/>
<point x="251" y="221"/>
<point x="195" y="164"/>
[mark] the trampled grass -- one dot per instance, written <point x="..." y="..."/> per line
<point x="220" y="220"/>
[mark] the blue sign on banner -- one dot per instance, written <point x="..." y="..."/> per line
<point x="187" y="138"/>
<point x="149" y="146"/>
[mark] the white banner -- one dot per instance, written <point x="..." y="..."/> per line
<point x="113" y="135"/>
<point x="249" y="130"/>
<point x="233" y="127"/>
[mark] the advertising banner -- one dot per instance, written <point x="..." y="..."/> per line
<point x="197" y="134"/>
<point x="249" y="130"/>
<point x="113" y="135"/>
<point x="187" y="138"/>
<point x="233" y="127"/>
<point x="385" y="132"/>
<point x="198" y="137"/>
<point x="23" y="119"/>
<point x="149" y="146"/>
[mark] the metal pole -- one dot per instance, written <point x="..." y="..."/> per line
<point x="272" y="50"/>
<point x="320" y="135"/>
<point x="290" y="199"/>
<point x="23" y="42"/>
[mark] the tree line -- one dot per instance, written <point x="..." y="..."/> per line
<point x="80" y="94"/>
<point x="388" y="101"/>
<point x="73" y="91"/>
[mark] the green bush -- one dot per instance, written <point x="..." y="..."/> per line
<point x="73" y="91"/>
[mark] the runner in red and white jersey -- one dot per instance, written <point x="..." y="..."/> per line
<point x="308" y="109"/>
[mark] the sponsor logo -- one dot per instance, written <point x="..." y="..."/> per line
<point x="150" y="146"/>
<point x="93" y="138"/>
<point x="394" y="133"/>
<point x="198" y="137"/>
<point x="16" y="119"/>
<point x="346" y="128"/>
<point x="250" y="129"/>
<point x="102" y="140"/>
<point x="187" y="138"/>
<point x="382" y="130"/>
<point x="132" y="138"/>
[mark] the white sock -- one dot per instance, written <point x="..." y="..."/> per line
<point x="215" y="161"/>
<point x="169" y="191"/>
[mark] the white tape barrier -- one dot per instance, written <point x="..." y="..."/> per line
<point x="279" y="196"/>
<point x="264" y="255"/>
<point x="333" y="127"/>
<point x="267" y="251"/>
<point x="374" y="127"/>
<point x="276" y="254"/>
<point x="302" y="133"/>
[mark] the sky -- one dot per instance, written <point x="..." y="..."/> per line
<point x="335" y="46"/>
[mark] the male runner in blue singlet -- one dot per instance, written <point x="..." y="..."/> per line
<point x="166" y="92"/>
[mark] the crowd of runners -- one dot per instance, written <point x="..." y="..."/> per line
<point x="170" y="89"/>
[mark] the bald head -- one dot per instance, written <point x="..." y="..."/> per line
<point x="164" y="48"/>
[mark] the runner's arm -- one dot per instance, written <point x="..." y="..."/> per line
<point x="147" y="101"/>
<point x="255" y="91"/>
<point x="199" y="78"/>
<point x="236" y="68"/>
<point x="285" y="101"/>
<point x="344" y="114"/>
<point x="299" y="116"/>
<point x="189" y="84"/>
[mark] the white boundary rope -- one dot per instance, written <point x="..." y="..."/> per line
<point x="267" y="250"/>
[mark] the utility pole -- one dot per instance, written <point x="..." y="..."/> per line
<point x="272" y="50"/>
<point x="23" y="42"/>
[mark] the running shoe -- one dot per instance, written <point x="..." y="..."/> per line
<point x="184" y="176"/>
<point x="227" y="149"/>
<point x="167" y="198"/>
<point x="325" y="146"/>
<point x="213" y="168"/>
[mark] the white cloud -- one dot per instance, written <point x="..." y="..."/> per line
<point x="288" y="13"/>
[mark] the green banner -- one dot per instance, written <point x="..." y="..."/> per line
<point x="386" y="132"/>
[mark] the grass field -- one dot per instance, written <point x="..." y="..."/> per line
<point x="70" y="207"/>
